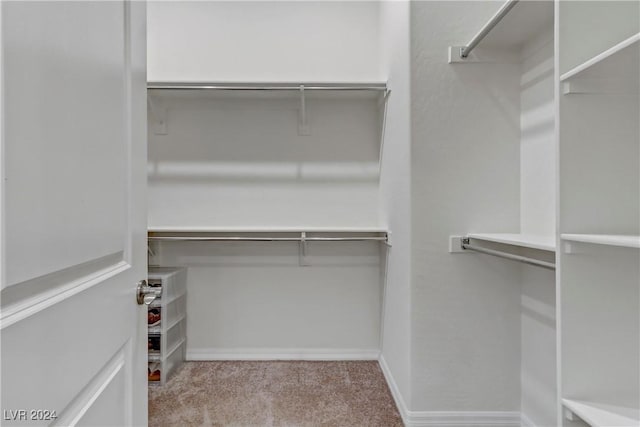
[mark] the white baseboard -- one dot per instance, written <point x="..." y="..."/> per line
<point x="282" y="354"/>
<point x="395" y="391"/>
<point x="447" y="418"/>
<point x="464" y="419"/>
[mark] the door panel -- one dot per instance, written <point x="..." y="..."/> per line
<point x="56" y="196"/>
<point x="73" y="213"/>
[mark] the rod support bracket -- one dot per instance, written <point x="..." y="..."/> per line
<point x="303" y="124"/>
<point x="302" y="258"/>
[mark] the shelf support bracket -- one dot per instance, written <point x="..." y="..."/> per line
<point x="384" y="102"/>
<point x="568" y="414"/>
<point x="303" y="125"/>
<point x="158" y="115"/>
<point x="302" y="253"/>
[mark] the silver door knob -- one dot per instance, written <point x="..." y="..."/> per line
<point x="145" y="294"/>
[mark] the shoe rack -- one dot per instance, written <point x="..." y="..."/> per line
<point x="167" y="323"/>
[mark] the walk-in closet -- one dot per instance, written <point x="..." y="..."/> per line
<point x="338" y="213"/>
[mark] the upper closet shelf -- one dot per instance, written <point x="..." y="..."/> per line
<point x="522" y="240"/>
<point x="161" y="91"/>
<point x="274" y="86"/>
<point x="291" y="234"/>
<point x="616" y="67"/>
<point x="298" y="229"/>
<point x="624" y="240"/>
<point x="513" y="25"/>
<point x="601" y="415"/>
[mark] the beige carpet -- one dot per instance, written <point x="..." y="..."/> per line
<point x="274" y="394"/>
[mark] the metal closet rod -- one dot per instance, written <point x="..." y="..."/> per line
<point x="501" y="13"/>
<point x="531" y="261"/>
<point x="271" y="86"/>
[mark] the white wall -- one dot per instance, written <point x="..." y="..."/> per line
<point x="465" y="176"/>
<point x="237" y="161"/>
<point x="253" y="299"/>
<point x="263" y="41"/>
<point x="395" y="195"/>
<point x="538" y="341"/>
<point x="538" y="179"/>
<point x="537" y="138"/>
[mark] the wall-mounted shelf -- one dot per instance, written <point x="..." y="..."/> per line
<point x="611" y="59"/>
<point x="292" y="229"/>
<point x="613" y="71"/>
<point x="268" y="86"/>
<point x="623" y="240"/>
<point x="513" y="25"/>
<point x="602" y="415"/>
<point x="545" y="243"/>
<point x="301" y="236"/>
<point x="269" y="235"/>
<point x="462" y="244"/>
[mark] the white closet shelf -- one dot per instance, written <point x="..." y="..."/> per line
<point x="257" y="85"/>
<point x="295" y="229"/>
<point x="508" y="30"/>
<point x="601" y="414"/>
<point x="617" y="62"/>
<point x="524" y="22"/>
<point x="623" y="240"/>
<point x="545" y="243"/>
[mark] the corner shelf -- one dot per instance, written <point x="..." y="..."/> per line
<point x="603" y="415"/>
<point x="522" y="240"/>
<point x="622" y="240"/>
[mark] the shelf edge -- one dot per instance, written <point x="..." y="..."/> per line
<point x="600" y="57"/>
<point x="503" y="238"/>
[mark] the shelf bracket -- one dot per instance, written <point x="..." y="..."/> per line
<point x="158" y="115"/>
<point x="596" y="86"/>
<point x="568" y="414"/>
<point x="383" y="128"/>
<point x="302" y="252"/>
<point x="303" y="125"/>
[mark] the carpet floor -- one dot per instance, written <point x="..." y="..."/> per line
<point x="274" y="393"/>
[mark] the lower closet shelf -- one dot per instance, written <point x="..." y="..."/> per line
<point x="623" y="240"/>
<point x="545" y="243"/>
<point x="603" y="415"/>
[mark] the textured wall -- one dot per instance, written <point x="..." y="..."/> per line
<point x="395" y="192"/>
<point x="465" y="177"/>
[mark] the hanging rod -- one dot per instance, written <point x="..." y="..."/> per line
<point x="266" y="86"/>
<point x="501" y="13"/>
<point x="269" y="239"/>
<point x="531" y="261"/>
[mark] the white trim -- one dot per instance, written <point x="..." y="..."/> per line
<point x="463" y="418"/>
<point x="39" y="302"/>
<point x="447" y="418"/>
<point x="282" y="354"/>
<point x="525" y="421"/>
<point x="73" y="413"/>
<point x="395" y="391"/>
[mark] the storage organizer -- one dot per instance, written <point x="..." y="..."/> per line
<point x="167" y="335"/>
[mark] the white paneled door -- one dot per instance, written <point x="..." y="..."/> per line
<point x="73" y="213"/>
